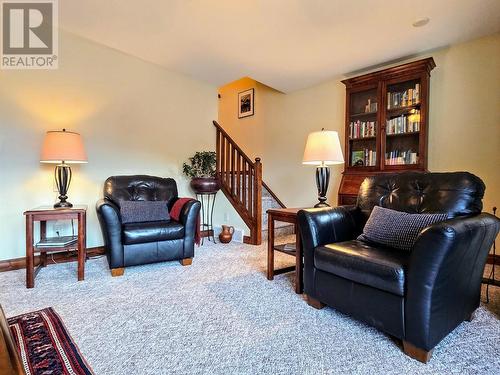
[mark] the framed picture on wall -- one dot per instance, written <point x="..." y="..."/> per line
<point x="246" y="103"/>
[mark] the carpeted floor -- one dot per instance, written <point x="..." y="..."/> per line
<point x="221" y="316"/>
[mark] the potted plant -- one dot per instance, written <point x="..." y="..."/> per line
<point x="201" y="170"/>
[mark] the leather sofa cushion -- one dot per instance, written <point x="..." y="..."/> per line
<point x="366" y="264"/>
<point x="153" y="231"/>
<point x="457" y="193"/>
<point x="140" y="188"/>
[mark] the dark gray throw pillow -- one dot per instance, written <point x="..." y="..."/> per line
<point x="142" y="211"/>
<point x="396" y="229"/>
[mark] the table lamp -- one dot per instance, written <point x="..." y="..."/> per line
<point x="323" y="149"/>
<point x="63" y="148"/>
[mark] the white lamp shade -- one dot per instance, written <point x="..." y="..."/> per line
<point x="323" y="147"/>
<point x="59" y="146"/>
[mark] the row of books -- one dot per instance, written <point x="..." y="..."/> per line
<point x="399" y="157"/>
<point x="404" y="98"/>
<point x="371" y="106"/>
<point x="364" y="157"/>
<point x="403" y="124"/>
<point x="361" y="129"/>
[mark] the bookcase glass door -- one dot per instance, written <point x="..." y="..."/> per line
<point x="363" y="110"/>
<point x="402" y="125"/>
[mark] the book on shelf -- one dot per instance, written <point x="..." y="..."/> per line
<point x="409" y="123"/>
<point x="364" y="157"/>
<point x="362" y="129"/>
<point x="399" y="157"/>
<point x="403" y="98"/>
<point x="61" y="241"/>
<point x="371" y="106"/>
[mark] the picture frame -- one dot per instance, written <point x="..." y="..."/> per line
<point x="246" y="103"/>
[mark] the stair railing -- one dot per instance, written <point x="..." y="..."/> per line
<point x="241" y="182"/>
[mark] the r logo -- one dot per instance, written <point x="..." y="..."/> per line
<point x="29" y="34"/>
<point x="27" y="28"/>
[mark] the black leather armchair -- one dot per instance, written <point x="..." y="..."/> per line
<point x="418" y="297"/>
<point x="140" y="243"/>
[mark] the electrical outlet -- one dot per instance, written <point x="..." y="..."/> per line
<point x="58" y="227"/>
<point x="226" y="217"/>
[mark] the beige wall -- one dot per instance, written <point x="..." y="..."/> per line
<point x="135" y="117"/>
<point x="464" y="125"/>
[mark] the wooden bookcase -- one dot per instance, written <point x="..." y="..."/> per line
<point x="386" y="124"/>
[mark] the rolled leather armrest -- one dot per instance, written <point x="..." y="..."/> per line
<point x="109" y="218"/>
<point x="444" y="276"/>
<point x="322" y="226"/>
<point x="189" y="219"/>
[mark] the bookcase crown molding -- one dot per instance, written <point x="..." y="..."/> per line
<point x="424" y="65"/>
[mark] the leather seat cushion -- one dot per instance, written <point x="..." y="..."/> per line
<point x="364" y="263"/>
<point x="152" y="231"/>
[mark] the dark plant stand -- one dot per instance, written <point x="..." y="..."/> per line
<point x="207" y="212"/>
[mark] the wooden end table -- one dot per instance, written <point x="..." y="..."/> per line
<point x="44" y="214"/>
<point x="288" y="215"/>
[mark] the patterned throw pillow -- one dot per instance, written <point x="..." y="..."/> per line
<point x="142" y="211"/>
<point x="396" y="229"/>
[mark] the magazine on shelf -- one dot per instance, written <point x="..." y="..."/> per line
<point x="62" y="241"/>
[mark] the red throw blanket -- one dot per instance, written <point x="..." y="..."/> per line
<point x="175" y="214"/>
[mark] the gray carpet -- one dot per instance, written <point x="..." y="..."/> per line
<point x="221" y="316"/>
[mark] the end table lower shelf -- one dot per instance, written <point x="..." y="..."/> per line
<point x="288" y="215"/>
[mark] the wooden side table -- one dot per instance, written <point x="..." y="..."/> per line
<point x="288" y="215"/>
<point x="44" y="214"/>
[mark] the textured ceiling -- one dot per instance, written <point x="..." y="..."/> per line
<point x="286" y="44"/>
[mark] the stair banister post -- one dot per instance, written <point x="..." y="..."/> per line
<point x="258" y="201"/>
<point x="218" y="142"/>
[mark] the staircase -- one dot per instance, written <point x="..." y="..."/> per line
<point x="241" y="182"/>
<point x="270" y="201"/>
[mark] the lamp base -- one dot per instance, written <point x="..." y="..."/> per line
<point x="322" y="180"/>
<point x="63" y="204"/>
<point x="62" y="175"/>
<point x="321" y="204"/>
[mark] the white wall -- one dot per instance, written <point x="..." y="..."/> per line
<point x="135" y="117"/>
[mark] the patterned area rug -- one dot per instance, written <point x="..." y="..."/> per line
<point x="45" y="345"/>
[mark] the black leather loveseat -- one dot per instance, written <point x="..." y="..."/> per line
<point x="418" y="296"/>
<point x="139" y="243"/>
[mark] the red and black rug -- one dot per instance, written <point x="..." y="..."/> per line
<point x="45" y="345"/>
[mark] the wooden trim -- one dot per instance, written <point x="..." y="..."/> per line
<point x="493" y="259"/>
<point x="62" y="257"/>
<point x="257" y="196"/>
<point x="228" y="137"/>
<point x="389" y="73"/>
